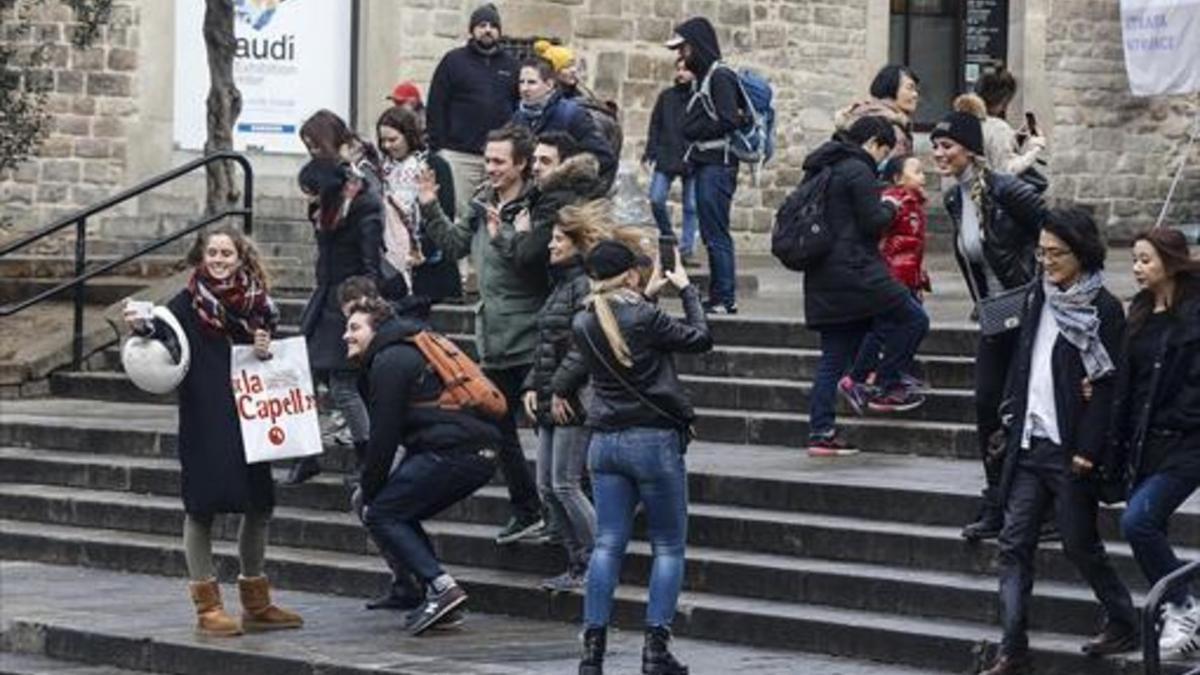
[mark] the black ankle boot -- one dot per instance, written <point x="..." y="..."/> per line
<point x="302" y="470"/>
<point x="656" y="658"/>
<point x="594" y="642"/>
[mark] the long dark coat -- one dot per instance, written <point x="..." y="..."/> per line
<point x="352" y="249"/>
<point x="216" y="478"/>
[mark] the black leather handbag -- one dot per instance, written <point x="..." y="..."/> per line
<point x="1003" y="311"/>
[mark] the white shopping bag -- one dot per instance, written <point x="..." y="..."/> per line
<point x="276" y="402"/>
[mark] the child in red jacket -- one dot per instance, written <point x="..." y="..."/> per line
<point x="902" y="246"/>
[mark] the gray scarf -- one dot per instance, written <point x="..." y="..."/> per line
<point x="1079" y="322"/>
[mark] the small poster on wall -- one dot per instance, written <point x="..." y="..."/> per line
<point x="293" y="58"/>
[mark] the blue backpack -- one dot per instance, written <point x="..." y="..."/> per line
<point x="753" y="144"/>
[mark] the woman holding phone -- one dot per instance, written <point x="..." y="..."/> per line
<point x="640" y="418"/>
<point x="226" y="302"/>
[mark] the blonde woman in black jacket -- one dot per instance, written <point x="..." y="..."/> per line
<point x="639" y="416"/>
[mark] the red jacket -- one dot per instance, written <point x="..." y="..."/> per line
<point x="903" y="243"/>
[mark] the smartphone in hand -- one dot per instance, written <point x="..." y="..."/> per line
<point x="666" y="252"/>
<point x="1031" y="122"/>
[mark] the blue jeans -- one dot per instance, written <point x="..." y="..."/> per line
<point x="1144" y="526"/>
<point x="715" y="184"/>
<point x="562" y="452"/>
<point x="421" y="487"/>
<point x="901" y="328"/>
<point x="644" y="465"/>
<point x="869" y="353"/>
<point x="660" y="187"/>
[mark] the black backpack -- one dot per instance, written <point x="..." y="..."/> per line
<point x="801" y="238"/>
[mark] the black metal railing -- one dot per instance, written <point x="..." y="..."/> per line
<point x="1151" y="660"/>
<point x="79" y="221"/>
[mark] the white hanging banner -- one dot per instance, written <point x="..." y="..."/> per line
<point x="292" y="59"/>
<point x="1162" y="46"/>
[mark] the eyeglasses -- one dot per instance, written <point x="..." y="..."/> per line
<point x="1052" y="254"/>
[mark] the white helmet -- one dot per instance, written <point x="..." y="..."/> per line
<point x="148" y="362"/>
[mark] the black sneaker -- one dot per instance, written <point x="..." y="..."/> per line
<point x="303" y="470"/>
<point x="401" y="599"/>
<point x="898" y="399"/>
<point x="518" y="528"/>
<point x="435" y="609"/>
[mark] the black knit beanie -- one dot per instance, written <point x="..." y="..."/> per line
<point x="485" y="12"/>
<point x="962" y="128"/>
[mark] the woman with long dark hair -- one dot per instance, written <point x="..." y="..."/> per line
<point x="640" y="417"/>
<point x="401" y="136"/>
<point x="1157" y="420"/>
<point x="227" y="301"/>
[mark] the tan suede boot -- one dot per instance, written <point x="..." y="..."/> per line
<point x="211" y="618"/>
<point x="258" y="613"/>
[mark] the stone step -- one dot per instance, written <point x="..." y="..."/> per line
<point x="35" y="664"/>
<point x="1066" y="608"/>
<point x="63" y="266"/>
<point x="811" y="515"/>
<point x="726" y="393"/>
<point x="52" y="610"/>
<point x="912" y="641"/>
<point x="100" y="291"/>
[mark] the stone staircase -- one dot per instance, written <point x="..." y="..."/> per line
<point x="857" y="557"/>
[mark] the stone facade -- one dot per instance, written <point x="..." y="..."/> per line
<point x="94" y="115"/>
<point x="1107" y="149"/>
<point x="1113" y="151"/>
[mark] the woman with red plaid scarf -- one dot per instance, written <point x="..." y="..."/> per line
<point x="226" y="302"/>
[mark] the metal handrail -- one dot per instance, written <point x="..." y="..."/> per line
<point x="79" y="220"/>
<point x="1151" y="660"/>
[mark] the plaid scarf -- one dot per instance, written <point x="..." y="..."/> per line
<point x="236" y="306"/>
<point x="1079" y="322"/>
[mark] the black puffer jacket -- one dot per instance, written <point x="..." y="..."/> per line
<point x="653" y="337"/>
<point x="576" y="180"/>
<point x="1174" y="405"/>
<point x="394" y="376"/>
<point x="1083" y="425"/>
<point x="853" y="282"/>
<point x="554" y="339"/>
<point x="1012" y="213"/>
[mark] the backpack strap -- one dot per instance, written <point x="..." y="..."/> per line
<point x="629" y="387"/>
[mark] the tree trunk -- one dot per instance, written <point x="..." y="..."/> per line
<point x="224" y="103"/>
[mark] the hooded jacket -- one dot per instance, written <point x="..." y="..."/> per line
<point x="563" y="114"/>
<point x="470" y="94"/>
<point x="510" y="294"/>
<point x="571" y="289"/>
<point x="852" y="283"/>
<point x="726" y="94"/>
<point x="576" y="180"/>
<point x="903" y="243"/>
<point x="395" y="377"/>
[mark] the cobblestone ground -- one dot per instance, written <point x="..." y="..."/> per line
<point x="338" y="630"/>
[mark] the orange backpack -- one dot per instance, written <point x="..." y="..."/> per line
<point x="464" y="386"/>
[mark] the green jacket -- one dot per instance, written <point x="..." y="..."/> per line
<point x="510" y="295"/>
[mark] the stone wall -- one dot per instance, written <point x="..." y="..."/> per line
<point x="93" y="108"/>
<point x="813" y="53"/>
<point x="1109" y="149"/>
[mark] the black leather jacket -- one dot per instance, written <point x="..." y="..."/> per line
<point x="1012" y="213"/>
<point x="652" y="336"/>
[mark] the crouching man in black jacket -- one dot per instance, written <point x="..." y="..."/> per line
<point x="450" y="454"/>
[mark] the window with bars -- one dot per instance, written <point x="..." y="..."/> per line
<point x="926" y="36"/>
<point x="521" y="47"/>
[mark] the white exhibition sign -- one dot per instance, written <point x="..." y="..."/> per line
<point x="293" y="58"/>
<point x="1162" y="45"/>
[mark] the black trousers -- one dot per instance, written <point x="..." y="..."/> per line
<point x="522" y="490"/>
<point x="1042" y="479"/>
<point x="993" y="356"/>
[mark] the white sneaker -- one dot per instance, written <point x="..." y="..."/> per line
<point x="1180" y="623"/>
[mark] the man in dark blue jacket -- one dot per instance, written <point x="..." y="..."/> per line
<point x="473" y="90"/>
<point x="714" y="112"/>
